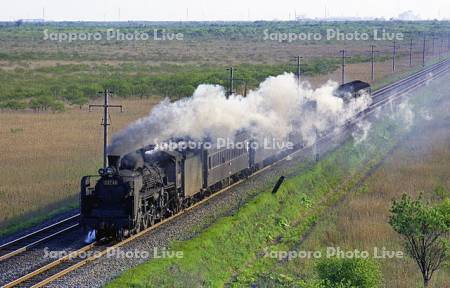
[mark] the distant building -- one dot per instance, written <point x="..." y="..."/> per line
<point x="31" y="20"/>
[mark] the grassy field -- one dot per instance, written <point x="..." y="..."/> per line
<point x="37" y="72"/>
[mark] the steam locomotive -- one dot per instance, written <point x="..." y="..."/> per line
<point x="143" y="187"/>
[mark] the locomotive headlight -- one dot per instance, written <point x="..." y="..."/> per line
<point x="101" y="171"/>
<point x="109" y="171"/>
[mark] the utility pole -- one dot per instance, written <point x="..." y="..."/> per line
<point x="343" y="66"/>
<point x="432" y="49"/>
<point x="423" y="50"/>
<point x="105" y="122"/>
<point x="372" y="62"/>
<point x="394" y="52"/>
<point x="410" y="51"/>
<point x="230" y="81"/>
<point x="448" y="42"/>
<point x="298" y="58"/>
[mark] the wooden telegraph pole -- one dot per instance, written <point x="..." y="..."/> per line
<point x="105" y="122"/>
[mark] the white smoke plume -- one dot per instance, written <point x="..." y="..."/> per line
<point x="361" y="131"/>
<point x="403" y="113"/>
<point x="425" y="114"/>
<point x="277" y="108"/>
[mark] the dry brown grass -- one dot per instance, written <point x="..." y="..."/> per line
<point x="43" y="155"/>
<point x="360" y="222"/>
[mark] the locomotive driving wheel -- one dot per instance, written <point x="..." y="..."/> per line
<point x="100" y="234"/>
<point x="120" y="234"/>
<point x="141" y="222"/>
<point x="145" y="221"/>
<point x="151" y="216"/>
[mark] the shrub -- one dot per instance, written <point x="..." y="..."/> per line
<point x="349" y="273"/>
<point x="13" y="105"/>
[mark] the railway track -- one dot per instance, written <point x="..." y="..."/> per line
<point x="28" y="241"/>
<point x="89" y="253"/>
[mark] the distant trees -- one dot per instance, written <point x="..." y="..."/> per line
<point x="43" y="103"/>
<point x="76" y="84"/>
<point x="425" y="230"/>
<point x="13" y="105"/>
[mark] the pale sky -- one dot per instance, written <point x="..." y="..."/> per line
<point x="175" y="10"/>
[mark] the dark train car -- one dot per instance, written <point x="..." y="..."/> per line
<point x="224" y="163"/>
<point x="353" y="89"/>
<point x="192" y="173"/>
<point x="263" y="153"/>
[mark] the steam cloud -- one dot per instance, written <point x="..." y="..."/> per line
<point x="361" y="131"/>
<point x="277" y="108"/>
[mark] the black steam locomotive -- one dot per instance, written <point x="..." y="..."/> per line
<point x="145" y="186"/>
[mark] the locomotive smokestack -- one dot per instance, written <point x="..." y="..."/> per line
<point x="113" y="161"/>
